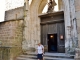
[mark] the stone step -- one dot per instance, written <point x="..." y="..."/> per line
<point x="24" y="57"/>
<point x="47" y="56"/>
<point x="57" y="55"/>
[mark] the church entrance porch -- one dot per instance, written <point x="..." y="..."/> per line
<point x="53" y="32"/>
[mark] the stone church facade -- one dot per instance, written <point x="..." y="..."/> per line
<point x="26" y="26"/>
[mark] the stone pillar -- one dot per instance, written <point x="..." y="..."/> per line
<point x="25" y="31"/>
<point x="67" y="25"/>
<point x="77" y="4"/>
<point x="77" y="9"/>
<point x="74" y="36"/>
<point x="70" y="26"/>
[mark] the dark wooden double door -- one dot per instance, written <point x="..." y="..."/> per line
<point x="53" y="32"/>
<point x="53" y="37"/>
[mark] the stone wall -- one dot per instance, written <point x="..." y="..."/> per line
<point x="11" y="35"/>
<point x="77" y="7"/>
<point x="17" y="13"/>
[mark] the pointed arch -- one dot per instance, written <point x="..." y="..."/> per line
<point x="42" y="5"/>
<point x="38" y="5"/>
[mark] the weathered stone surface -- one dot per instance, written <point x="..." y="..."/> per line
<point x="10" y="53"/>
<point x="77" y="8"/>
<point x="78" y="15"/>
<point x="32" y="27"/>
<point x="17" y="13"/>
<point x="78" y="30"/>
<point x="78" y="26"/>
<point x="77" y="55"/>
<point x="77" y="5"/>
<point x="11" y="38"/>
<point x="11" y="33"/>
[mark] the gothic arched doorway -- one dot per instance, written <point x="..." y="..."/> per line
<point x="36" y="12"/>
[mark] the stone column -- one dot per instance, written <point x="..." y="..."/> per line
<point x="25" y="31"/>
<point x="67" y="20"/>
<point x="70" y="26"/>
<point x="74" y="36"/>
<point x="77" y="9"/>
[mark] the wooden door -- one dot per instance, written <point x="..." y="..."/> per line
<point x="52" y="28"/>
<point x="61" y="37"/>
<point x="55" y="28"/>
<point x="44" y="34"/>
<point x="44" y="31"/>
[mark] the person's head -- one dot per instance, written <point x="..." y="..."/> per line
<point x="39" y="44"/>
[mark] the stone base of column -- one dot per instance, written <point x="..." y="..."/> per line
<point x="77" y="54"/>
<point x="70" y="51"/>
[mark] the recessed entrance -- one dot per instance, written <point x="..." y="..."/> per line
<point x="53" y="32"/>
<point x="52" y="42"/>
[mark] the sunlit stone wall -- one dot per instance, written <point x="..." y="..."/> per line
<point x="11" y="39"/>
